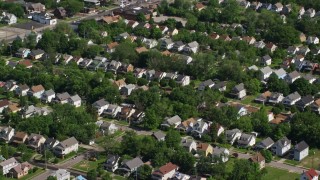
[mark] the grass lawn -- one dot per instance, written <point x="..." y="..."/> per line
<point x="119" y="178"/>
<point x="86" y="165"/>
<point x="314" y="155"/>
<point x="291" y="162"/>
<point x="274" y="173"/>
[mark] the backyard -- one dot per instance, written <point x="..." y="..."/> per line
<point x="274" y="173"/>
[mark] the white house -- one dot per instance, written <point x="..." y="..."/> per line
<point x="183" y="80"/>
<point x="265" y="72"/>
<point x="9" y="18"/>
<point x="22" y="90"/>
<point x="189" y="144"/>
<point x="44" y="18"/>
<point x="312" y="40"/>
<point x="208" y="83"/>
<point x="36" y="91"/>
<point x="247" y="140"/>
<point x="6" y="133"/>
<point x="291" y="99"/>
<point x="165" y="172"/>
<point x="75" y="100"/>
<point x="221" y="153"/>
<point x="301" y="150"/>
<point x="311" y="174"/>
<point x="108" y="128"/>
<point x="65" y="147"/>
<point x="61" y="174"/>
<point x="112" y="110"/>
<point x="239" y="91"/>
<point x="266" y="60"/>
<point x="174" y="121"/>
<point x="100" y="106"/>
<point x="48" y="96"/>
<point x="233" y="135"/>
<point x="281" y="147"/>
<point x="191" y="47"/>
<point x="7" y="165"/>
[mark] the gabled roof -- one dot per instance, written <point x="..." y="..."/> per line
<point x="173" y="120"/>
<point x="159" y="135"/>
<point x="63" y="96"/>
<point x="167" y="168"/>
<point x="75" y="98"/>
<point x="283" y="142"/>
<point x="305" y="100"/>
<point x="68" y="142"/>
<point x="49" y="92"/>
<point x="294" y="74"/>
<point x="266" y="70"/>
<point x="239" y="87"/>
<point x="4" y="103"/>
<point x="101" y="102"/>
<point x="257" y="158"/>
<point x="266" y="142"/>
<point x="311" y="173"/>
<point x="134" y="163"/>
<point x="293" y="96"/>
<point x="301" y="146"/>
<point x="8" y="161"/>
<point x="37" y="88"/>
<point x="280" y="72"/>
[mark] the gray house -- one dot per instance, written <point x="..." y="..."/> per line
<point x="301" y="150"/>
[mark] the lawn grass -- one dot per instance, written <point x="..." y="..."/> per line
<point x="87" y="165"/>
<point x="274" y="173"/>
<point x="291" y="162"/>
<point x="311" y="161"/>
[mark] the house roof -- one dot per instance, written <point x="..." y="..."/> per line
<point x="167" y="168"/>
<point x="68" y="142"/>
<point x="266" y="142"/>
<point x="203" y="146"/>
<point x="187" y="142"/>
<point x="305" y="100"/>
<point x="294" y="74"/>
<point x="49" y="92"/>
<point x="207" y="83"/>
<point x="283" y="142"/>
<point x="75" y="98"/>
<point x="20" y="135"/>
<point x="101" y="102"/>
<point x="266" y="57"/>
<point x="141" y="49"/>
<point x="26" y="63"/>
<point x="112" y="45"/>
<point x="8" y="161"/>
<point x="311" y="173"/>
<point x="174" y="119"/>
<point x="63" y="96"/>
<point x="232" y="131"/>
<point x="23" y="87"/>
<point x="239" y="87"/>
<point x="193" y="44"/>
<point x="4" y="103"/>
<point x="37" y="52"/>
<point x="179" y="43"/>
<point x="266" y="70"/>
<point x="37" y="88"/>
<point x="189" y="121"/>
<point x="159" y="135"/>
<point x="293" y="96"/>
<point x="257" y="158"/>
<point x="280" y="72"/>
<point x="120" y="83"/>
<point x="134" y="163"/>
<point x="301" y="146"/>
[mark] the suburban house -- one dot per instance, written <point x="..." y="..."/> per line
<point x="34" y="7"/>
<point x="178" y="46"/>
<point x="239" y="91"/>
<point x="304" y="102"/>
<point x="44" y="18"/>
<point x="291" y="99"/>
<point x="266" y="60"/>
<point x="165" y="172"/>
<point x="191" y="47"/>
<point x="263" y="98"/>
<point x="8" y="18"/>
<point x="108" y="128"/>
<point x="233" y="135"/>
<point x="23" y="52"/>
<point x="166" y="43"/>
<point x="221" y="153"/>
<point x="312" y="40"/>
<point x="189" y="144"/>
<point x="112" y="163"/>
<point x="127" y="89"/>
<point x="60" y="13"/>
<point x="21" y="170"/>
<point x="291" y="77"/>
<point x="6" y="133"/>
<point x="112" y="110"/>
<point x="301" y="150"/>
<point x="4" y="104"/>
<point x="183" y="80"/>
<point x="20" y="138"/>
<point x="200" y="128"/>
<point x="208" y="83"/>
<point x="246" y="140"/>
<point x="126" y="113"/>
<point x="36" y="91"/>
<point x="22" y="90"/>
<point x="131" y="165"/>
<point x="31" y="110"/>
<point x="75" y="100"/>
<point x="119" y="83"/>
<point x="62" y="98"/>
<point x="281" y="147"/>
<point x="174" y="121"/>
<point x="7" y="165"/>
<point x="311" y="174"/>
<point x="159" y="135"/>
<point x="187" y="125"/>
<point x="205" y="148"/>
<point x="48" y="96"/>
<point x="315" y="106"/>
<point x="65" y="147"/>
<point x="36" y="54"/>
<point x="275" y="98"/>
<point x="265" y="72"/>
<point x="35" y="141"/>
<point x="265" y="144"/>
<point x="111" y="47"/>
<point x="50" y="143"/>
<point x="281" y="73"/>
<point x="61" y="174"/>
<point x="258" y="158"/>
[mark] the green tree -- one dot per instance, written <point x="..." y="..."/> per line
<point x="253" y="86"/>
<point x="51" y="178"/>
<point x="141" y="17"/>
<point x="173" y="138"/>
<point x="267" y="155"/>
<point x="243" y="169"/>
<point x="4" y="151"/>
<point x="155" y="33"/>
<point x="144" y="172"/>
<point x="92" y="174"/>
